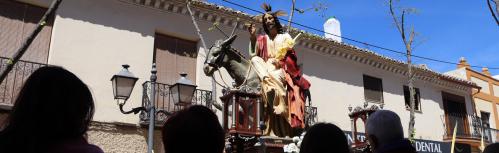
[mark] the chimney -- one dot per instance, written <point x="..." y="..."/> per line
<point x="332" y="29"/>
<point x="463" y="63"/>
<point x="486" y="71"/>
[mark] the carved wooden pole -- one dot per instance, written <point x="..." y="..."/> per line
<point x="213" y="85"/>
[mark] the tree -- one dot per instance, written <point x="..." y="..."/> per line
<point x="494" y="14"/>
<point x="317" y="6"/>
<point x="408" y="41"/>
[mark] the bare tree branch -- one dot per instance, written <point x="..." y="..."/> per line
<point x="411" y="38"/>
<point x="394" y="17"/>
<point x="291" y="15"/>
<point x="492" y="10"/>
<point x="403" y="26"/>
<point x="411" y="76"/>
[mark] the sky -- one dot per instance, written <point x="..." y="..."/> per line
<point x="446" y="29"/>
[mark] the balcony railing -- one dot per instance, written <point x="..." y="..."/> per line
<point x="164" y="101"/>
<point x="468" y="126"/>
<point x="10" y="87"/>
<point x="491" y="135"/>
<point x="310" y="115"/>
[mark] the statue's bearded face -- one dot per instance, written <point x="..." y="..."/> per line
<point x="269" y="21"/>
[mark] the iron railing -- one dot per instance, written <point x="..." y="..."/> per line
<point x="10" y="87"/>
<point x="310" y="115"/>
<point x="468" y="126"/>
<point x="491" y="135"/>
<point x="164" y="101"/>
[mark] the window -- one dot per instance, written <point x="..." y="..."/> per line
<point x="485" y="116"/>
<point x="417" y="98"/>
<point x="485" y="119"/>
<point x="17" y="20"/>
<point x="455" y="111"/>
<point x="173" y="56"/>
<point x="373" y="89"/>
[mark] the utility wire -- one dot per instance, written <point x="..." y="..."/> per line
<point x="357" y="41"/>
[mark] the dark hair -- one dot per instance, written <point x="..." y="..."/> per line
<point x="278" y="25"/>
<point x="491" y="148"/>
<point x="53" y="106"/>
<point x="193" y="130"/>
<point x="324" y="138"/>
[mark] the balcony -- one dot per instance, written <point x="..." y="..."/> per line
<point x="164" y="101"/>
<point x="491" y="135"/>
<point x="469" y="127"/>
<point x="10" y="87"/>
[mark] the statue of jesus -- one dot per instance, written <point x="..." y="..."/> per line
<point x="283" y="87"/>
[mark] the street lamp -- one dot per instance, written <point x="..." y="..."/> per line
<point x="123" y="84"/>
<point x="183" y="91"/>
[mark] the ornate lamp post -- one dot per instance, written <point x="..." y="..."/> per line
<point x="123" y="84"/>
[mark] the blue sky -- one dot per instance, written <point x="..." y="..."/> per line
<point x="447" y="30"/>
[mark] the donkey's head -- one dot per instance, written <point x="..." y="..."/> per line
<point x="217" y="55"/>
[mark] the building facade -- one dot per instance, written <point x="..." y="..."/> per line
<point x="93" y="38"/>
<point x="486" y="99"/>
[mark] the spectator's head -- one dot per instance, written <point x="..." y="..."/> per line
<point x="324" y="138"/>
<point x="53" y="105"/>
<point x="383" y="127"/>
<point x="492" y="148"/>
<point x="193" y="130"/>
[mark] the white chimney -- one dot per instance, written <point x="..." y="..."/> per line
<point x="332" y="29"/>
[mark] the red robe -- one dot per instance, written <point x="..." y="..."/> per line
<point x="295" y="83"/>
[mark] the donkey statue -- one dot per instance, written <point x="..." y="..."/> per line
<point x="221" y="54"/>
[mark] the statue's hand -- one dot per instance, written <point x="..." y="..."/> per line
<point x="252" y="30"/>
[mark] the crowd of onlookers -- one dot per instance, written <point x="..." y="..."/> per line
<point x="54" y="109"/>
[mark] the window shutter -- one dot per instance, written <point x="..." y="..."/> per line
<point x="373" y="89"/>
<point x="17" y="21"/>
<point x="173" y="56"/>
<point x="11" y="27"/>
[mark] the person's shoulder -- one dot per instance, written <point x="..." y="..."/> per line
<point x="76" y="146"/>
<point x="93" y="149"/>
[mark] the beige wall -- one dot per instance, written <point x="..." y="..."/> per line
<point x="481" y="83"/>
<point x="94" y="38"/>
<point x="496" y="90"/>
<point x="337" y="83"/>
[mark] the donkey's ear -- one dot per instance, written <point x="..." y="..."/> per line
<point x="229" y="40"/>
